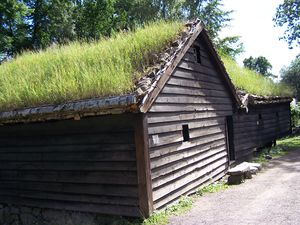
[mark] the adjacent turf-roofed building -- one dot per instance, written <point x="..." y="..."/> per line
<point x="264" y="120"/>
<point x="134" y="153"/>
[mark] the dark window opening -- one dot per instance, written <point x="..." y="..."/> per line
<point x="185" y="132"/>
<point x="197" y="54"/>
<point x="259" y="116"/>
<point x="277" y="114"/>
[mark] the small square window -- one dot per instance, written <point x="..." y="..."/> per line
<point x="185" y="132"/>
<point x="197" y="54"/>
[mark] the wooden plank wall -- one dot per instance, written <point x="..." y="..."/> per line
<point x="251" y="132"/>
<point x="194" y="95"/>
<point x="87" y="165"/>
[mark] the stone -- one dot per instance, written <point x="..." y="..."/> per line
<point x="78" y="218"/>
<point x="28" y="219"/>
<point x="152" y="74"/>
<point x="139" y="92"/>
<point x="248" y="174"/>
<point x="235" y="179"/>
<point x="253" y="170"/>
<point x="268" y="157"/>
<point x="36" y="212"/>
<point x="175" y="43"/>
<point x="257" y="165"/>
<point x="26" y="210"/>
<point x="14" y="210"/>
<point x="239" y="169"/>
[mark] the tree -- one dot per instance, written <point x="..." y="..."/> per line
<point x="61" y="21"/>
<point x="51" y="21"/>
<point x="210" y="12"/>
<point x="13" y="29"/>
<point x="288" y="14"/>
<point x="36" y="24"/>
<point x="291" y="75"/>
<point x="260" y="65"/>
<point x="230" y="46"/>
<point x="96" y="19"/>
<point x="39" y="23"/>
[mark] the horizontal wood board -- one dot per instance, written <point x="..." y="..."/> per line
<point x="251" y="133"/>
<point x="195" y="95"/>
<point x="87" y="165"/>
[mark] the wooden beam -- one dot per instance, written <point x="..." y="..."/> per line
<point x="143" y="166"/>
<point x="69" y="110"/>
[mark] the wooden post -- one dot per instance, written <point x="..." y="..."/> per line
<point x="143" y="166"/>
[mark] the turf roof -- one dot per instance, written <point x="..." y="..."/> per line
<point x="252" y="82"/>
<point x="109" y="67"/>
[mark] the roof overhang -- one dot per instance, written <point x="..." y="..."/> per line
<point x="72" y="110"/>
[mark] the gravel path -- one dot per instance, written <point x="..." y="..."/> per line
<point x="271" y="197"/>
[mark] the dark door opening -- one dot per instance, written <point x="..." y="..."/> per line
<point x="230" y="144"/>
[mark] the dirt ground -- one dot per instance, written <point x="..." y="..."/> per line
<point x="271" y="197"/>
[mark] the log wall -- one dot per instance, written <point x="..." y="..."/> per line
<point x="195" y="95"/>
<point x="260" y="126"/>
<point x="87" y="165"/>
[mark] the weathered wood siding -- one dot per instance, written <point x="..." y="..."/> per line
<point x="87" y="165"/>
<point x="194" y="95"/>
<point x="260" y="126"/>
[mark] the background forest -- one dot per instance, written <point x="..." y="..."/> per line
<point x="37" y="24"/>
<point x="31" y="25"/>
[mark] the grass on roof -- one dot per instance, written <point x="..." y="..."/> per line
<point x="81" y="70"/>
<point x="253" y="83"/>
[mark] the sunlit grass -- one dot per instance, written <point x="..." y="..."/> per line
<point x="289" y="143"/>
<point x="253" y="83"/>
<point x="283" y="147"/>
<point x="81" y="70"/>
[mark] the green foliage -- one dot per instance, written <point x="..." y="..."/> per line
<point x="61" y="21"/>
<point x="274" y="152"/>
<point x="260" y="65"/>
<point x="230" y="46"/>
<point x="210" y="12"/>
<point x="289" y="143"/>
<point x="82" y="70"/>
<point x="291" y="75"/>
<point x="253" y="83"/>
<point x="184" y="204"/>
<point x="37" y="24"/>
<point x="288" y="15"/>
<point x="212" y="188"/>
<point x="282" y="148"/>
<point x="13" y="29"/>
<point x="295" y="115"/>
<point x="160" y="218"/>
<point x="96" y="19"/>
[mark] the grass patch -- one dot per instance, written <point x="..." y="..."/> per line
<point x="185" y="204"/>
<point x="215" y="187"/>
<point x="274" y="152"/>
<point x="161" y="218"/>
<point x="252" y="82"/>
<point x="83" y="70"/>
<point x="289" y="143"/>
<point x="283" y="146"/>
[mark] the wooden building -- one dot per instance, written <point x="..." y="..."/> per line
<point x="130" y="155"/>
<point x="264" y="120"/>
